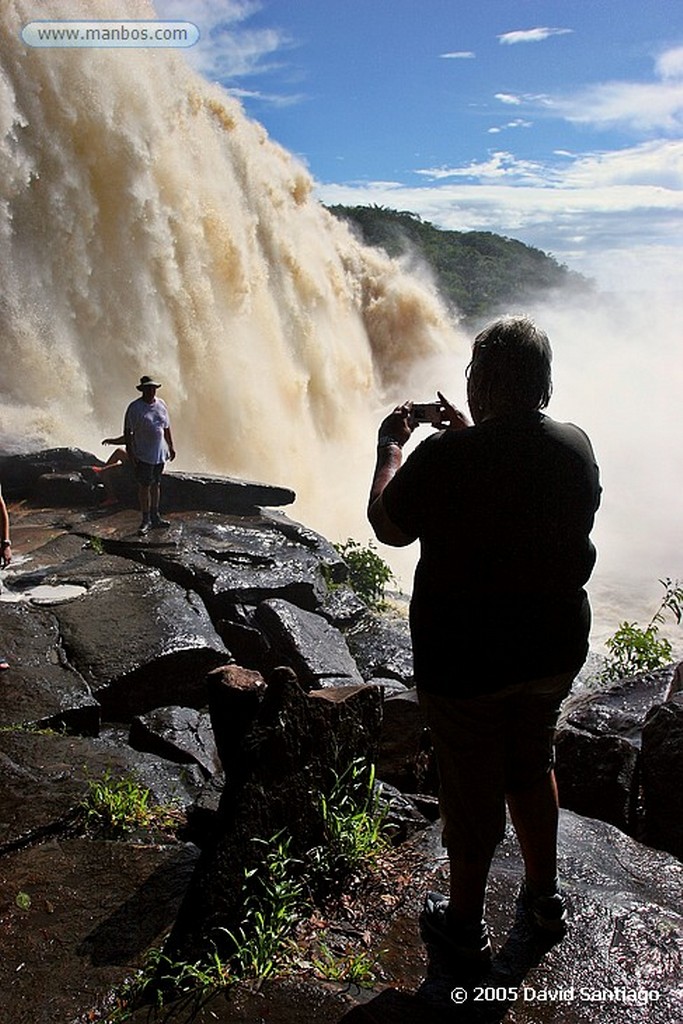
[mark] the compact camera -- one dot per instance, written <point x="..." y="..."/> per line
<point x="426" y="412"/>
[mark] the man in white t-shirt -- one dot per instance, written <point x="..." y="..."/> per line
<point x="147" y="432"/>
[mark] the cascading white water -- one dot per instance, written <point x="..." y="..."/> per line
<point x="148" y="226"/>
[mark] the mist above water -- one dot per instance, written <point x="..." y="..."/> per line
<point x="148" y="226"/>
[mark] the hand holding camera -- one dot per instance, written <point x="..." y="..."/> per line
<point x="442" y="415"/>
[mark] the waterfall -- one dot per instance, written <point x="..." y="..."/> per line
<point x="148" y="226"/>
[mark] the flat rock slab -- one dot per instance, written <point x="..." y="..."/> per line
<point x="221" y="493"/>
<point x="140" y="642"/>
<point x="44" y="777"/>
<point x="229" y="559"/>
<point x="76" y="918"/>
<point x="41" y="688"/>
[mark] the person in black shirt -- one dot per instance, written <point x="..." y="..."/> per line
<point x="499" y="617"/>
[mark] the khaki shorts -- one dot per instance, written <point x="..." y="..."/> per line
<point x="486" y="747"/>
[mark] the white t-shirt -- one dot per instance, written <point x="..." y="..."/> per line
<point x="146" y="421"/>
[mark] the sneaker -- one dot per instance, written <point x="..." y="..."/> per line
<point x="549" y="913"/>
<point x="144" y="528"/>
<point x="468" y="942"/>
<point x="159" y="524"/>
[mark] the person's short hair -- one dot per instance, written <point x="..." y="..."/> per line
<point x="510" y="368"/>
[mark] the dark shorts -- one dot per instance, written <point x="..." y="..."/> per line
<point x="147" y="474"/>
<point x="486" y="747"/>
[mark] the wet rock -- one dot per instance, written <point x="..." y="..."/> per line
<point x="405" y="758"/>
<point x="598" y="747"/>
<point x="41" y="689"/>
<point x="77" y="917"/>
<point x="620" y="961"/>
<point x="140" y="643"/>
<point x="389" y="687"/>
<point x="231" y="560"/>
<point x="179" y="734"/>
<point x="20" y="473"/>
<point x="44" y="778"/>
<point x="241" y="636"/>
<point x="402" y="817"/>
<point x="297" y="743"/>
<point x="185" y="491"/>
<point x="342" y="608"/>
<point x="67" y="489"/>
<point x="309" y="644"/>
<point x="663" y="776"/>
<point x="382" y="647"/>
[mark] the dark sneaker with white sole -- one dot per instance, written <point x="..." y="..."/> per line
<point x="470" y="943"/>
<point x="159" y="524"/>
<point x="548" y="913"/>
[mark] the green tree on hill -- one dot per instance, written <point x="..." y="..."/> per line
<point x="479" y="274"/>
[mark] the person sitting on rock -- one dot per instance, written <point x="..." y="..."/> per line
<point x="499" y="618"/>
<point x="149" y="445"/>
<point x="5" y="555"/>
<point x="103" y="474"/>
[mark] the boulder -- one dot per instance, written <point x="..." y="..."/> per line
<point x="140" y="643"/>
<point x="662" y="773"/>
<point x="598" y="746"/>
<point x="183" y="735"/>
<point x="309" y="644"/>
<point x="342" y="607"/>
<point x="406" y="759"/>
<point x="382" y="647"/>
<point x="183" y="491"/>
<point x="20" y="473"/>
<point x="41" y="689"/>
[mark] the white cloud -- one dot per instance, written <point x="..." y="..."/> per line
<point x="226" y="48"/>
<point x="531" y="35"/>
<point x="517" y="123"/>
<point x="636" y="106"/>
<point x="458" y="55"/>
<point x="670" y="63"/>
<point x="509" y="98"/>
<point x="639" y="106"/>
<point x="578" y="208"/>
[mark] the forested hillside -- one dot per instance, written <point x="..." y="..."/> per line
<point x="479" y="273"/>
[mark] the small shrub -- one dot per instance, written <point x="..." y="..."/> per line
<point x="369" y="574"/>
<point x="634" y="649"/>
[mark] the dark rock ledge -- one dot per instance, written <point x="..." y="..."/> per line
<point x="161" y="659"/>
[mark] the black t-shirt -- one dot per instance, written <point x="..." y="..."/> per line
<point x="503" y="511"/>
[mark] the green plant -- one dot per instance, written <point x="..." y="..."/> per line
<point x="275" y="902"/>
<point x="369" y="574"/>
<point x="95" y="544"/>
<point x="355" y="967"/>
<point x="116" y="807"/>
<point x="633" y="648"/>
<point x="354" y="824"/>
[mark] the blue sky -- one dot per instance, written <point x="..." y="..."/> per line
<point x="556" y="122"/>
